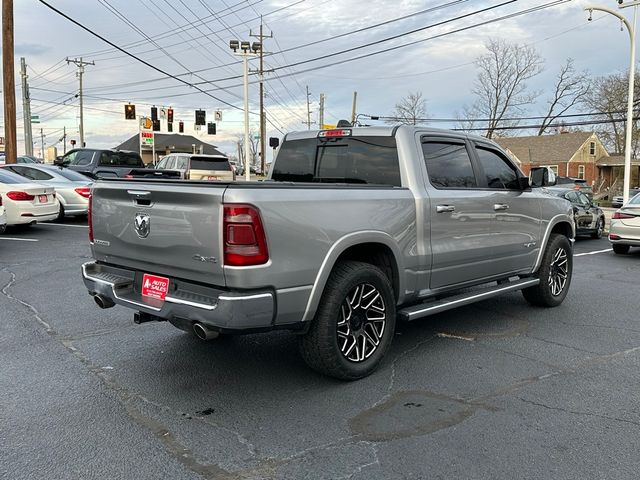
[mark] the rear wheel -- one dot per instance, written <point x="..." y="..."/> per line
<point x="599" y="229"/>
<point x="620" y="249"/>
<point x="60" y="213"/>
<point x="555" y="274"/>
<point x="3" y="228"/>
<point x="354" y="324"/>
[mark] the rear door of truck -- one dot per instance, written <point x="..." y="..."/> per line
<point x="169" y="228"/>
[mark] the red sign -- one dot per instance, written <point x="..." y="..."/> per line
<point x="154" y="286"/>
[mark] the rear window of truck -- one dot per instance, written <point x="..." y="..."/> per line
<point x="370" y="160"/>
<point x="204" y="163"/>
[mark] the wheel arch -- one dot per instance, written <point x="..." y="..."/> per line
<point x="562" y="224"/>
<point x="374" y="247"/>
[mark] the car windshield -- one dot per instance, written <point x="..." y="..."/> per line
<point x="209" y="163"/>
<point x="9" y="178"/>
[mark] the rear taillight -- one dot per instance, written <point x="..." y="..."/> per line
<point x="128" y="176"/>
<point x="90" y="218"/>
<point x="620" y="215"/>
<point x="20" y="196"/>
<point x="244" y="239"/>
<point x="83" y="191"/>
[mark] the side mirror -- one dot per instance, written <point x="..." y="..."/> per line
<point x="58" y="161"/>
<point x="542" y="177"/>
<point x="523" y="183"/>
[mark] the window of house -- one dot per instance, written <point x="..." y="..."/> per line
<point x="592" y="149"/>
<point x="581" y="171"/>
<point x="553" y="168"/>
<point x="448" y="164"/>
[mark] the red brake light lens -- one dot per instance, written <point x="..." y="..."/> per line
<point x="620" y="215"/>
<point x="340" y="132"/>
<point x="20" y="196"/>
<point x="244" y="239"/>
<point x="83" y="191"/>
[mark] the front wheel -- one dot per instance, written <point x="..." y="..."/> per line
<point x="555" y="274"/>
<point x="354" y="324"/>
<point x="599" y="229"/>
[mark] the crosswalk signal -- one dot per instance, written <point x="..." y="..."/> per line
<point x="211" y="128"/>
<point x="156" y="125"/>
<point x="170" y="115"/>
<point x="130" y="112"/>
<point x="154" y="114"/>
<point x="201" y="116"/>
<point x="181" y="127"/>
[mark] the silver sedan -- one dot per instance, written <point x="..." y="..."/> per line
<point x="72" y="188"/>
<point x="624" y="231"/>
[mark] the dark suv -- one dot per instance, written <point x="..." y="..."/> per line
<point x="101" y="163"/>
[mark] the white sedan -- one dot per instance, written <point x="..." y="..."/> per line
<point x="26" y="202"/>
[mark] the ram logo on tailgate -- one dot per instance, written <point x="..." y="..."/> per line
<point x="142" y="225"/>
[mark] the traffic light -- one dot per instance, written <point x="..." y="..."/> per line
<point x="154" y="114"/>
<point x="170" y="116"/>
<point x="130" y="112"/>
<point x="169" y="127"/>
<point x="211" y="128"/>
<point x="201" y="116"/>
<point x="156" y="125"/>
<point x="181" y="127"/>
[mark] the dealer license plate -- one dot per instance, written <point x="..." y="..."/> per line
<point x="154" y="286"/>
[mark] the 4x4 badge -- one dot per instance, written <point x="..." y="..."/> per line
<point x="142" y="224"/>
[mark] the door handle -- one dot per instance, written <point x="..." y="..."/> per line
<point x="501" y="206"/>
<point x="445" y="208"/>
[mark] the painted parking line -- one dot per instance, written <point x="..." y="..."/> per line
<point x="593" y="253"/>
<point x="20" y="239"/>
<point x="64" y="225"/>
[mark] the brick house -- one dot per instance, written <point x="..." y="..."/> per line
<point x="571" y="154"/>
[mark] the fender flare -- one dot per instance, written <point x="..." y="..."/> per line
<point x="558" y="219"/>
<point x="337" y="249"/>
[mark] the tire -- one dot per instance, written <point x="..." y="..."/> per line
<point x="554" y="273"/>
<point x="341" y="341"/>
<point x="599" y="229"/>
<point x="60" y="214"/>
<point x="3" y="228"/>
<point x="620" y="249"/>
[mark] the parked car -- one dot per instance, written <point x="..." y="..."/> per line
<point x="238" y="167"/>
<point x="618" y="200"/>
<point x="72" y="188"/>
<point x="20" y="159"/>
<point x="578" y="184"/>
<point x="624" y="231"/>
<point x="589" y="218"/>
<point x="27" y="202"/>
<point x="3" y="217"/>
<point x="353" y="228"/>
<point x="198" y="167"/>
<point x="96" y="163"/>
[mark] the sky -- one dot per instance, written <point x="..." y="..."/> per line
<point x="190" y="39"/>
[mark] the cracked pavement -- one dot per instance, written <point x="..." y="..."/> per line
<point x="496" y="390"/>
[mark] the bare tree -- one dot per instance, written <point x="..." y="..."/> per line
<point x="254" y="140"/>
<point x="410" y="110"/>
<point x="608" y="99"/>
<point x="571" y="88"/>
<point x="501" y="85"/>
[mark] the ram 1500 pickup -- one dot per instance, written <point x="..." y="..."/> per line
<point x="354" y="229"/>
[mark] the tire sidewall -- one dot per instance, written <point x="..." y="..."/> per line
<point x="555" y="242"/>
<point x="329" y="314"/>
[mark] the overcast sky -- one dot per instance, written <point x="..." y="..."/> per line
<point x="441" y="68"/>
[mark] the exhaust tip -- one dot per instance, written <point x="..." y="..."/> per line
<point x="204" y="333"/>
<point x="103" y="302"/>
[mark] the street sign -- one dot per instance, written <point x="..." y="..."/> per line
<point x="218" y="116"/>
<point x="146" y="123"/>
<point x="35" y="118"/>
<point x="146" y="139"/>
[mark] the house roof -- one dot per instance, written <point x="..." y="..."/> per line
<point x="545" y="149"/>
<point x="615" y="161"/>
<point x="175" y="142"/>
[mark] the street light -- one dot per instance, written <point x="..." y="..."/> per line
<point x="247" y="49"/>
<point x="631" y="28"/>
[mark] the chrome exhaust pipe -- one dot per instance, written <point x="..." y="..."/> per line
<point x="204" y="333"/>
<point x="103" y="302"/>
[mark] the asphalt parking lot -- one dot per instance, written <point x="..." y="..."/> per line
<point x="496" y="390"/>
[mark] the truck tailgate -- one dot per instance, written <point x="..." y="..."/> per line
<point x="167" y="228"/>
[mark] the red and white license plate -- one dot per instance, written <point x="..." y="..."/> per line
<point x="154" y="286"/>
<point x="42" y="198"/>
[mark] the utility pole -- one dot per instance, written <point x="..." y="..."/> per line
<point x="321" y="112"/>
<point x="41" y="143"/>
<point x="308" y="122"/>
<point x="80" y="64"/>
<point x="353" y="108"/>
<point x="8" y="79"/>
<point x="64" y="140"/>
<point x="263" y="132"/>
<point x="26" y="109"/>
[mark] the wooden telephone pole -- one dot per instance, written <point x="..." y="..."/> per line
<point x="8" y="81"/>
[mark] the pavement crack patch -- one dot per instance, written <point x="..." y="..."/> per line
<point x="34" y="311"/>
<point x="575" y="412"/>
<point x="607" y="327"/>
<point x="551" y="342"/>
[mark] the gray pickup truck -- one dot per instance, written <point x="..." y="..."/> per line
<point x="353" y="229"/>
